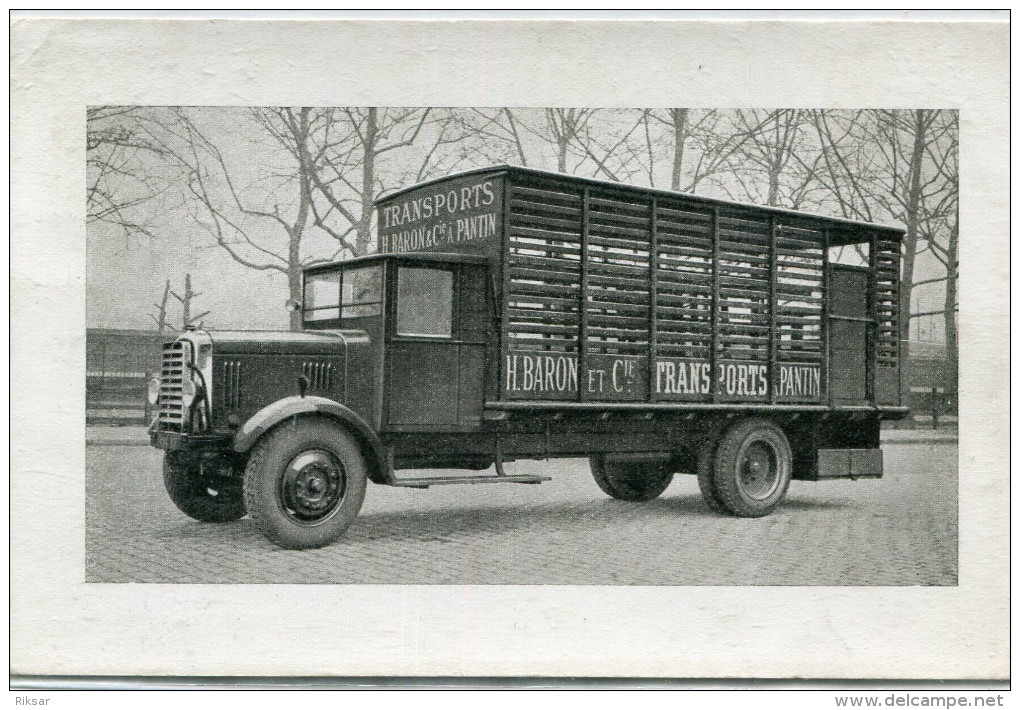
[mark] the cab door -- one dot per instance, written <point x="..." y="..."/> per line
<point x="436" y="365"/>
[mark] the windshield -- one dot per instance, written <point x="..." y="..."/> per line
<point x="351" y="293"/>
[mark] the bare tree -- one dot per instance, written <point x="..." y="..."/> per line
<point x="358" y="154"/>
<point x="773" y="160"/>
<point x="259" y="220"/>
<point x="186" y="300"/>
<point x="160" y="316"/>
<point x="124" y="173"/>
<point x="907" y="181"/>
<point x="579" y="141"/>
<point x="282" y="188"/>
<point x="939" y="229"/>
<point x="695" y="143"/>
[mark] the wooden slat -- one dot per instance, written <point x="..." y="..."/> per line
<point x="635" y="223"/>
<point x="543" y="289"/>
<point x="542" y="328"/>
<point x="599" y="267"/>
<point x="566" y="266"/>
<point x="545" y="276"/>
<point x="603" y="204"/>
<point x="617" y="321"/>
<point x="683" y="216"/>
<point x="542" y="234"/>
<point x="524" y="220"/>
<point x="785" y="242"/>
<point x="673" y="325"/>
<point x="561" y="210"/>
<point x="545" y="195"/>
<point x="619" y="237"/>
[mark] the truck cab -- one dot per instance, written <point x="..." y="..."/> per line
<point x="429" y="317"/>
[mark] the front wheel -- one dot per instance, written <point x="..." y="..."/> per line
<point x="635" y="482"/>
<point x="305" y="483"/>
<point x="206" y="498"/>
<point x="753" y="466"/>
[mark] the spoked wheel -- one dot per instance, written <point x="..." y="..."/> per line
<point x="305" y="483"/>
<point x="753" y="465"/>
<point x="206" y="498"/>
<point x="635" y="482"/>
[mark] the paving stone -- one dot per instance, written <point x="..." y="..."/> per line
<point x="900" y="530"/>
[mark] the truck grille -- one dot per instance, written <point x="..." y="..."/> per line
<point x="171" y="387"/>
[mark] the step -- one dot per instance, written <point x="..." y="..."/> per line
<point x="426" y="481"/>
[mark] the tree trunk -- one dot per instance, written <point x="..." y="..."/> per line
<point x="294" y="286"/>
<point x="297" y="231"/>
<point x="911" y="217"/>
<point x="679" y="116"/>
<point x="364" y="229"/>
<point x="161" y="320"/>
<point x="778" y="158"/>
<point x="952" y="357"/>
<point x="186" y="301"/>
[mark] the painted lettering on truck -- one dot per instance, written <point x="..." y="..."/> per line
<point x="607" y="376"/>
<point x="440" y="219"/>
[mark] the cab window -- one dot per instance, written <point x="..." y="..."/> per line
<point x="362" y="292"/>
<point x="348" y="294"/>
<point x="425" y="302"/>
<point x="322" y="296"/>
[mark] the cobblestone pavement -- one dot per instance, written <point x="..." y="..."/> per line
<point x="900" y="530"/>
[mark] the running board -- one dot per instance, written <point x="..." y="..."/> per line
<point x="425" y="482"/>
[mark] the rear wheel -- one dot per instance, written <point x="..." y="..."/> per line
<point x="753" y="465"/>
<point x="706" y="473"/>
<point x="635" y="482"/>
<point x="206" y="498"/>
<point x="305" y="483"/>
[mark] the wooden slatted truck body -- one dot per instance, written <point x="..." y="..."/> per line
<point x="512" y="313"/>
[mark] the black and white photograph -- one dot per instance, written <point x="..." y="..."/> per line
<point x="319" y="328"/>
<point x="498" y="349"/>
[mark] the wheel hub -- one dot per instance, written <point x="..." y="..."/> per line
<point x="759" y="471"/>
<point x="312" y="486"/>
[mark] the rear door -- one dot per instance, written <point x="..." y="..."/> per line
<point x="850" y="327"/>
<point x="437" y="347"/>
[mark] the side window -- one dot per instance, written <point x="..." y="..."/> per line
<point x="362" y="292"/>
<point x="322" y="296"/>
<point x="425" y="302"/>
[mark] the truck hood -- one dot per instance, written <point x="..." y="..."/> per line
<point x="275" y="342"/>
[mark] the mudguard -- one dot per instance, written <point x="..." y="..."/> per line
<point x="283" y="409"/>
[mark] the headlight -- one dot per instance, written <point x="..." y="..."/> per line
<point x="153" y="390"/>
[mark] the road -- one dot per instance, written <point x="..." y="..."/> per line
<point x="900" y="530"/>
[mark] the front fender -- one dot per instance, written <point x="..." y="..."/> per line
<point x="283" y="409"/>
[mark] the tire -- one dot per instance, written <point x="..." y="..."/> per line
<point x="305" y="483"/>
<point x="706" y="470"/>
<point x="208" y="499"/>
<point x="753" y="465"/>
<point x="634" y="482"/>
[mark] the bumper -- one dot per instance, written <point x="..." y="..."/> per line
<point x="176" y="441"/>
<point x="850" y="463"/>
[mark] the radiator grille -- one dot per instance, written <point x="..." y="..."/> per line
<point x="171" y="387"/>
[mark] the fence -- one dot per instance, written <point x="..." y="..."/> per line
<point x="118" y="365"/>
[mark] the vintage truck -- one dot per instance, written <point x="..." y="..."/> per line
<point x="513" y="313"/>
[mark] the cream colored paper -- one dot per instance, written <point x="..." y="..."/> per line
<point x="60" y="625"/>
